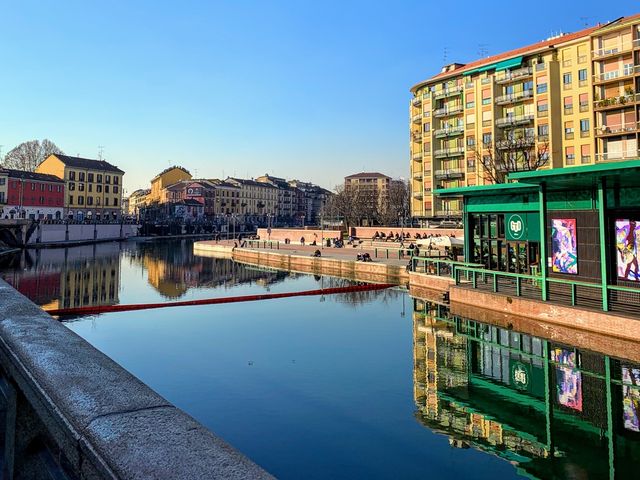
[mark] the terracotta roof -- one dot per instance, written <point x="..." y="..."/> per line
<point x="89" y="164"/>
<point x="24" y="175"/>
<point x="529" y="49"/>
<point x="367" y="175"/>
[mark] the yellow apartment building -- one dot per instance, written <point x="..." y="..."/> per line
<point x="93" y="188"/>
<point x="569" y="100"/>
<point x="165" y="178"/>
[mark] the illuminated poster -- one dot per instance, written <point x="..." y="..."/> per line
<point x="568" y="382"/>
<point x="631" y="398"/>
<point x="564" y="245"/>
<point x="628" y="242"/>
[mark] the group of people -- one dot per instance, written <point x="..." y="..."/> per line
<point x="401" y="237"/>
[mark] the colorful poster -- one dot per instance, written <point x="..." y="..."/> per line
<point x="568" y="381"/>
<point x="631" y="398"/>
<point x="628" y="242"/>
<point x="564" y="245"/>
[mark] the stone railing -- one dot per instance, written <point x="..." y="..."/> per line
<point x="71" y="411"/>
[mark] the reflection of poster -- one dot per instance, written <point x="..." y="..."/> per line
<point x="628" y="242"/>
<point x="631" y="398"/>
<point x="568" y="382"/>
<point x="564" y="245"/>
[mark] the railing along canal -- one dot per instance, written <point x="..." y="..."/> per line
<point x="272" y="244"/>
<point x="568" y="292"/>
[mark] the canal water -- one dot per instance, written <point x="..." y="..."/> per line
<point x="362" y="385"/>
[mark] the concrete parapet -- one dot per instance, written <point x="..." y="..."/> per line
<point x="96" y="419"/>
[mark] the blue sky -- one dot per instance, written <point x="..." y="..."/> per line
<point x="301" y="89"/>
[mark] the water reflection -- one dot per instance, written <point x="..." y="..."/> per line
<point x="553" y="410"/>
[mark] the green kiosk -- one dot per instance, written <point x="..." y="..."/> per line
<point x="574" y="231"/>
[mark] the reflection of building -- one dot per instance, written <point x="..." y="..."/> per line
<point x="547" y="408"/>
<point x="173" y="269"/>
<point x="71" y="277"/>
<point x="93" y="187"/>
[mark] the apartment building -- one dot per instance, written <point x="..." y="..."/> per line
<point x="375" y="183"/>
<point x="137" y="200"/>
<point x="258" y="201"/>
<point x="31" y="195"/>
<point x="289" y="200"/>
<point x="93" y="187"/>
<point x="169" y="176"/>
<point x="569" y="100"/>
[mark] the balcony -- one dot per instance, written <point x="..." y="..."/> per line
<point x="443" y="112"/>
<point x="447" y="92"/>
<point x="416" y="137"/>
<point x="449" y="213"/>
<point x="417" y="101"/>
<point x="626" y="155"/>
<point x="449" y="174"/>
<point x="418" y="195"/>
<point x="514" y="97"/>
<point x="516" y="143"/>
<point x="511" y="120"/>
<point x="417" y="176"/>
<point x="417" y="157"/>
<point x="620" y="129"/>
<point x="626" y="71"/>
<point x="449" y="131"/>
<point x="449" y="152"/>
<point x="417" y="118"/>
<point x="617" y="49"/>
<point x="513" y="75"/>
<point x="616" y="102"/>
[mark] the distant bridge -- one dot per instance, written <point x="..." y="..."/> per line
<point x="16" y="232"/>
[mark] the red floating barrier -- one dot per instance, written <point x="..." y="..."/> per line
<point x="94" y="310"/>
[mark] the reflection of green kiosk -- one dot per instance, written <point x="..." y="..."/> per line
<point x="569" y="235"/>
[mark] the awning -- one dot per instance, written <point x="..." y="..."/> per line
<point x="511" y="63"/>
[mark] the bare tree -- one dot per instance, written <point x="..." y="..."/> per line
<point x="514" y="152"/>
<point x="28" y="155"/>
<point x="395" y="206"/>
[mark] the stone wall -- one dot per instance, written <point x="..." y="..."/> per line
<point x="368" y="232"/>
<point x="58" y="232"/>
<point x="295" y="234"/>
<point x="94" y="418"/>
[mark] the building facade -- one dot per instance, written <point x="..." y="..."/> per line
<point x="288" y="210"/>
<point x="258" y="201"/>
<point x="569" y="100"/>
<point x="137" y="200"/>
<point x="31" y="195"/>
<point x="93" y="188"/>
<point x="312" y="201"/>
<point x="165" y="178"/>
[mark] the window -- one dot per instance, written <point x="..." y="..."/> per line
<point x="115" y="202"/>
<point x="80" y="200"/>
<point x="70" y="199"/>
<point x="72" y="175"/>
<point x="570" y="156"/>
<point x="583" y="100"/>
<point x="486" y="96"/>
<point x="107" y="179"/>
<point x="41" y="200"/>
<point x="3" y="181"/>
<point x="585" y="154"/>
<point x="582" y="76"/>
<point x="115" y="189"/>
<point x="90" y="177"/>
<point x="528" y="85"/>
<point x="470" y="99"/>
<point x="59" y="188"/>
<point x="543" y="108"/>
<point x="116" y="180"/>
<point x="568" y="130"/>
<point x="106" y="202"/>
<point x="568" y="105"/>
<point x="486" y="138"/>
<point x="89" y="200"/>
<point x="99" y="178"/>
<point x="471" y="119"/>
<point x="50" y="187"/>
<point x="106" y="189"/>
<point x="33" y="186"/>
<point x="90" y="187"/>
<point x="542" y="84"/>
<point x="427" y="128"/>
<point x="471" y="141"/>
<point x="471" y="162"/>
<point x="567" y="78"/>
<point x="543" y="131"/>
<point x="584" y="127"/>
<point x="81" y="176"/>
<point x="2" y="198"/>
<point x="81" y="187"/>
<point x="486" y="118"/>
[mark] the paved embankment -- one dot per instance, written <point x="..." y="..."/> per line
<point x="98" y="420"/>
<point x="339" y="262"/>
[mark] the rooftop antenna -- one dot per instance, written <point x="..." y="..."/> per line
<point x="445" y="55"/>
<point x="483" y="51"/>
<point x="585" y="21"/>
<point x="100" y="152"/>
